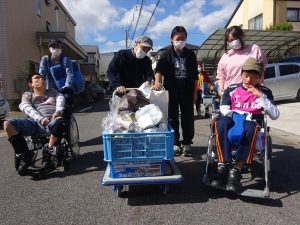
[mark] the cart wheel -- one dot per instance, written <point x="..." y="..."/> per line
<point x="205" y="179"/>
<point x="118" y="189"/>
<point x="164" y="188"/>
<point x="66" y="166"/>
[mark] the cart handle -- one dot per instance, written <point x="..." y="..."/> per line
<point x="127" y="89"/>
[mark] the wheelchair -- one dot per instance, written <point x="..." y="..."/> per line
<point x="207" y="108"/>
<point x="66" y="147"/>
<point x="261" y="157"/>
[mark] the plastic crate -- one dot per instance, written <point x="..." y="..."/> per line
<point x="137" y="169"/>
<point x="138" y="146"/>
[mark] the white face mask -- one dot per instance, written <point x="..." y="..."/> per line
<point x="235" y="44"/>
<point x="55" y="51"/>
<point x="140" y="53"/>
<point x="179" y="44"/>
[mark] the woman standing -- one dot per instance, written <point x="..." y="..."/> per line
<point x="178" y="65"/>
<point x="236" y="53"/>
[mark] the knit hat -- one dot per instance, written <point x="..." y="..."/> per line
<point x="253" y="64"/>
<point x="145" y="41"/>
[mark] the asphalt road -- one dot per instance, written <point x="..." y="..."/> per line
<point x="77" y="197"/>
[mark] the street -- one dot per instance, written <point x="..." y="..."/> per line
<point x="77" y="196"/>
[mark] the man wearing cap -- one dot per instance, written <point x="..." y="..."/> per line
<point x="130" y="68"/>
<point x="58" y="63"/>
<point x="241" y="109"/>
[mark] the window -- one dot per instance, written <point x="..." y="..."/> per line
<point x="48" y="2"/>
<point x="48" y="26"/>
<point x="38" y="7"/>
<point x="293" y="15"/>
<point x="288" y="69"/>
<point x="270" y="72"/>
<point x="256" y="22"/>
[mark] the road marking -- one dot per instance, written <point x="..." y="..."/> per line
<point x="85" y="109"/>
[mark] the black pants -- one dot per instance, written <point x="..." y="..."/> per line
<point x="182" y="100"/>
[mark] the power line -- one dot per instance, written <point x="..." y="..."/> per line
<point x="138" y="19"/>
<point x="132" y="19"/>
<point x="151" y="17"/>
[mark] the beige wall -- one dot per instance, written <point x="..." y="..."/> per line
<point x="252" y="8"/>
<point x="18" y="45"/>
<point x="268" y="13"/>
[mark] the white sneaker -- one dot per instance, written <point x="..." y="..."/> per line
<point x="187" y="150"/>
<point x="177" y="150"/>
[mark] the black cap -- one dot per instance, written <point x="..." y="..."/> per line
<point x="55" y="42"/>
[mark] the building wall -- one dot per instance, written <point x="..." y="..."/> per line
<point x="19" y="23"/>
<point x="4" y="66"/>
<point x="268" y="13"/>
<point x="271" y="12"/>
<point x="105" y="59"/>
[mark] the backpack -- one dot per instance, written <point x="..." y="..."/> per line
<point x="58" y="73"/>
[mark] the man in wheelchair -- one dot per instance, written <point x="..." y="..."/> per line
<point x="45" y="109"/>
<point x="241" y="108"/>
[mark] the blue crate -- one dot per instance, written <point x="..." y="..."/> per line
<point x="137" y="169"/>
<point x="138" y="146"/>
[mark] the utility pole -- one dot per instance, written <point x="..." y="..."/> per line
<point x="126" y="39"/>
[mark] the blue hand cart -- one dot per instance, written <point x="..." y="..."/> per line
<point x="139" y="159"/>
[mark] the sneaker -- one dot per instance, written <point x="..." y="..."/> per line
<point x="25" y="161"/>
<point x="219" y="179"/>
<point x="48" y="155"/>
<point x="187" y="150"/>
<point x="177" y="150"/>
<point x="234" y="181"/>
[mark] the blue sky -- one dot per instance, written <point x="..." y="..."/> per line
<point x="104" y="22"/>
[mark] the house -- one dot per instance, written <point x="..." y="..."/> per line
<point x="256" y="17"/>
<point x="259" y="15"/>
<point x="26" y="27"/>
<point x="91" y="64"/>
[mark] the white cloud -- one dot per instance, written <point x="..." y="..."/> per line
<point x="100" y="38"/>
<point x="191" y="15"/>
<point x="91" y="16"/>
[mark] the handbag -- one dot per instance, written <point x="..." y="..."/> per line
<point x="161" y="99"/>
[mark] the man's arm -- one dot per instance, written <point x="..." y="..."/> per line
<point x="148" y="71"/>
<point x="113" y="72"/>
<point x="27" y="107"/>
<point x="44" y="67"/>
<point x="69" y="71"/>
<point x="60" y="105"/>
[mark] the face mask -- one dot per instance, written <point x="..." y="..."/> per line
<point x="140" y="53"/>
<point x="179" y="44"/>
<point x="55" y="51"/>
<point x="235" y="44"/>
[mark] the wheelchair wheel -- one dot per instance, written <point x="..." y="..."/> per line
<point x="73" y="138"/>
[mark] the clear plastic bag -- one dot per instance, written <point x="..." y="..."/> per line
<point x="148" y="116"/>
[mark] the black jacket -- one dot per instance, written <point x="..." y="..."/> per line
<point x="126" y="70"/>
<point x="165" y="66"/>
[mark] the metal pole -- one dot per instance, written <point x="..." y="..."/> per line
<point x="126" y="39"/>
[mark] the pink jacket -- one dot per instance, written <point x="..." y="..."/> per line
<point x="230" y="65"/>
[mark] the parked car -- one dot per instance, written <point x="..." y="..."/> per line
<point x="284" y="80"/>
<point x="97" y="91"/>
<point x="4" y="108"/>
